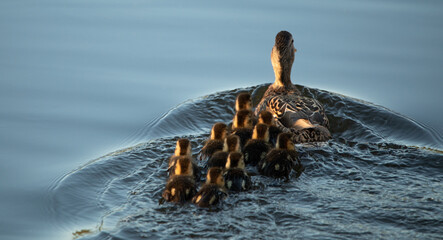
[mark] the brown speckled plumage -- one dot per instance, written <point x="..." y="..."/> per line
<point x="286" y="103"/>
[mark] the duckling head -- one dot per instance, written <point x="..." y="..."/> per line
<point x="261" y="132"/>
<point x="242" y="119"/>
<point x="243" y="102"/>
<point x="284" y="141"/>
<point x="215" y="175"/>
<point x="235" y="160"/>
<point x="183" y="166"/>
<point x="183" y="147"/>
<point x="232" y="144"/>
<point x="219" y="131"/>
<point x="282" y="58"/>
<point x="266" y="117"/>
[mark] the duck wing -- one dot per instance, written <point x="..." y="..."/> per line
<point x="290" y="108"/>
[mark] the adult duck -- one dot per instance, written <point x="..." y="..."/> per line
<point x="304" y="117"/>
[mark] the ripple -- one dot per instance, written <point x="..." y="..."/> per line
<point x="372" y="180"/>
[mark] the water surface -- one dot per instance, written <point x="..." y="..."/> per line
<point x="360" y="184"/>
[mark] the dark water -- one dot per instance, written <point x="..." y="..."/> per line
<point x="370" y="181"/>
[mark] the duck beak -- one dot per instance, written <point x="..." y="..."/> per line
<point x="295" y="50"/>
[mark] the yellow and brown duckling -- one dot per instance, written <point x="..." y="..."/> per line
<point x="218" y="159"/>
<point x="242" y="126"/>
<point x="213" y="191"/>
<point x="303" y="116"/>
<point x="236" y="178"/>
<point x="215" y="142"/>
<point x="181" y="185"/>
<point x="267" y="118"/>
<point x="183" y="148"/>
<point x="243" y="102"/>
<point x="256" y="148"/>
<point x="280" y="161"/>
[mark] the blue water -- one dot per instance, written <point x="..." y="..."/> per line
<point x="360" y="184"/>
<point x="81" y="79"/>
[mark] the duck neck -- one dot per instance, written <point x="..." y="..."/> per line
<point x="282" y="65"/>
<point x="282" y="76"/>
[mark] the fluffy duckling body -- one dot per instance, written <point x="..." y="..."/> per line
<point x="302" y="116"/>
<point x="213" y="191"/>
<point x="215" y="143"/>
<point x="280" y="161"/>
<point x="183" y="149"/>
<point x="236" y="178"/>
<point x="267" y="118"/>
<point x="218" y="159"/>
<point x="181" y="186"/>
<point x="242" y="126"/>
<point x="256" y="148"/>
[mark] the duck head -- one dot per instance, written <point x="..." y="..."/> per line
<point x="219" y="131"/>
<point x="215" y="175"/>
<point x="235" y="160"/>
<point x="232" y="144"/>
<point x="242" y="119"/>
<point x="284" y="141"/>
<point x="282" y="58"/>
<point x="183" y="147"/>
<point x="243" y="102"/>
<point x="261" y="132"/>
<point x="266" y="117"/>
<point x="183" y="166"/>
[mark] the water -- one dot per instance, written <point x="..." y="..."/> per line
<point x="361" y="184"/>
<point x="82" y="79"/>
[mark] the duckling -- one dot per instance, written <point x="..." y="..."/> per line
<point x="236" y="178"/>
<point x="294" y="112"/>
<point x="183" y="165"/>
<point x="181" y="185"/>
<point x="215" y="143"/>
<point x="267" y="118"/>
<point x="242" y="126"/>
<point x="256" y="148"/>
<point x="213" y="191"/>
<point x="243" y="102"/>
<point x="218" y="159"/>
<point x="279" y="162"/>
<point x="183" y="148"/>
